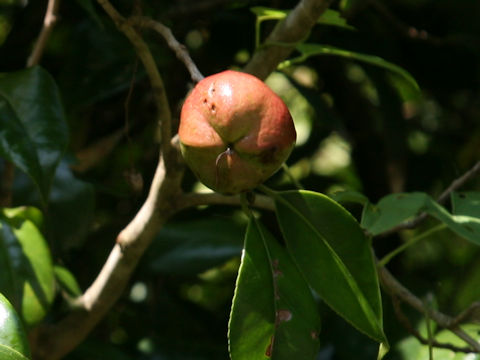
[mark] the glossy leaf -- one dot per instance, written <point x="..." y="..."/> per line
<point x="252" y="318"/>
<point x="27" y="277"/>
<point x="13" y="339"/>
<point x="394" y="209"/>
<point x="330" y="249"/>
<point x="67" y="281"/>
<point x="33" y="131"/>
<point x="308" y="50"/>
<point x="195" y="246"/>
<point x="283" y="321"/>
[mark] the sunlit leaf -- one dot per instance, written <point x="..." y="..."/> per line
<point x="13" y="339"/>
<point x="285" y="313"/>
<point x="329" y="17"/>
<point x="67" y="281"/>
<point x="331" y="250"/>
<point x="466" y="203"/>
<point x="27" y="277"/>
<point x="33" y="131"/>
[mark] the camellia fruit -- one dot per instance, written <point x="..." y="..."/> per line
<point x="235" y="132"/>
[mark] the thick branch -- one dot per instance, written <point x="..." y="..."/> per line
<point x="48" y="23"/>
<point x="179" y="49"/>
<point x="293" y="29"/>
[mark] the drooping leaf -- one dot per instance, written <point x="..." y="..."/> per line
<point x="13" y="339"/>
<point x="394" y="209"/>
<point x="33" y="131"/>
<point x="308" y="50"/>
<point x="195" y="246"/>
<point x="283" y="321"/>
<point x="349" y="196"/>
<point x="27" y="277"/>
<point x="331" y="250"/>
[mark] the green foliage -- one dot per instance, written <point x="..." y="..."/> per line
<point x="13" y="339"/>
<point x="27" y="277"/>
<point x="34" y="132"/>
<point x="283" y="320"/>
<point x="387" y="118"/>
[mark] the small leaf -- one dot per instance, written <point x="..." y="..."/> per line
<point x="395" y="209"/>
<point x="13" y="340"/>
<point x="329" y="17"/>
<point x="67" y="281"/>
<point x="33" y="131"/>
<point x="284" y="312"/>
<point x="308" y="50"/>
<point x="27" y="277"/>
<point x="334" y="256"/>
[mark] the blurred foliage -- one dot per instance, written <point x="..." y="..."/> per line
<point x="360" y="128"/>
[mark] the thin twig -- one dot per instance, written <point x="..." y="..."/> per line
<point x="179" y="49"/>
<point x="402" y="318"/>
<point x="156" y="81"/>
<point x="396" y="289"/>
<point x="49" y="21"/>
<point x="293" y="29"/>
<point x="455" y="185"/>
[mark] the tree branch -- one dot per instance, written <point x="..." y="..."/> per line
<point x="293" y="29"/>
<point x="179" y="49"/>
<point x="156" y="81"/>
<point x="396" y="289"/>
<point x="48" y="23"/>
<point x="197" y="199"/>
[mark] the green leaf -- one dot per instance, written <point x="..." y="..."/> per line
<point x="392" y="210"/>
<point x="191" y="247"/>
<point x="330" y="249"/>
<point x="283" y="321"/>
<point x="308" y="50"/>
<point x="66" y="280"/>
<point x="33" y="131"/>
<point x="395" y="209"/>
<point x="13" y="339"/>
<point x="27" y="277"/>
